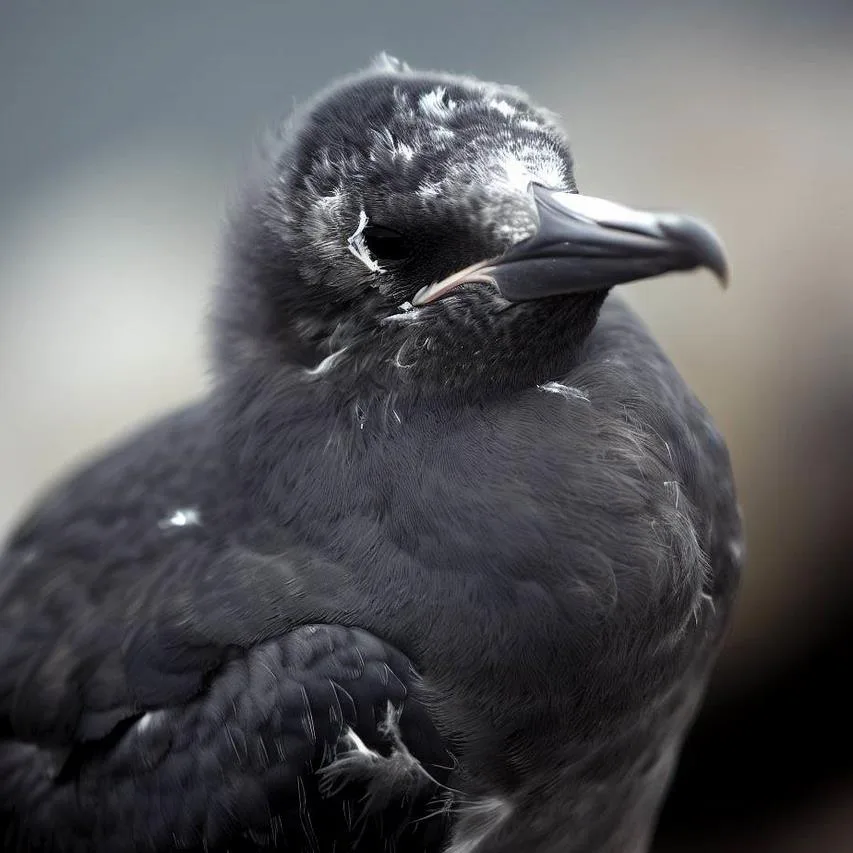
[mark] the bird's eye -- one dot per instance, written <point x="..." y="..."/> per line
<point x="385" y="244"/>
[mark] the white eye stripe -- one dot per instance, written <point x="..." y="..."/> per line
<point x="358" y="247"/>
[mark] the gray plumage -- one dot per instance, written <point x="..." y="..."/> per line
<point x="444" y="577"/>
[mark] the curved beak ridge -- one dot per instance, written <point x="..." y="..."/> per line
<point x="585" y="244"/>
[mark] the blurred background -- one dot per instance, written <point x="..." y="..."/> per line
<point x="123" y="127"/>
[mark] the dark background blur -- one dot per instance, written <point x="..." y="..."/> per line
<point x="123" y="127"/>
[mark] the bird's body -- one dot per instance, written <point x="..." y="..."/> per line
<point x="352" y="600"/>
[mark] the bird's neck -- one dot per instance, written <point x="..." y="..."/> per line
<point x="526" y="345"/>
<point x="455" y="357"/>
<point x="287" y="423"/>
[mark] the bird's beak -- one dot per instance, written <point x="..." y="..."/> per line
<point x="585" y="244"/>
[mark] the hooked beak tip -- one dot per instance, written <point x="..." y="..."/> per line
<point x="700" y="241"/>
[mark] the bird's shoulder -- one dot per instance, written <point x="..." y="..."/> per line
<point x="133" y="665"/>
<point x="93" y="560"/>
<point x="130" y="490"/>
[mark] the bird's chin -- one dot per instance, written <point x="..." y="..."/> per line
<point x="468" y="298"/>
<point x="475" y="305"/>
<point x="480" y="293"/>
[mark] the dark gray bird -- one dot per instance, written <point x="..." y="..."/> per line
<point x="443" y="560"/>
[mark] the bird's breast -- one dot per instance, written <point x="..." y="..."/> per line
<point x="536" y="536"/>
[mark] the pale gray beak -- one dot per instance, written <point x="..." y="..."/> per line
<point x="585" y="244"/>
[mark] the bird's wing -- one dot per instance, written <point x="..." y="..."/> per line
<point x="141" y="739"/>
<point x="240" y="760"/>
<point x="161" y="686"/>
<point x="129" y="586"/>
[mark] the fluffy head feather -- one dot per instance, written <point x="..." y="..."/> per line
<point x="386" y="182"/>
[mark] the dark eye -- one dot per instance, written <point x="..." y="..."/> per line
<point x="385" y="244"/>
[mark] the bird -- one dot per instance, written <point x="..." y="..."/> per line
<point x="444" y="557"/>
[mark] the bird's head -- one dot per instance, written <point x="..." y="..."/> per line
<point x="427" y="228"/>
